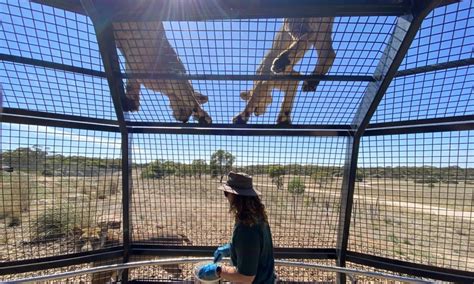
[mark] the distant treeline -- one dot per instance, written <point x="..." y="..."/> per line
<point x="50" y="164"/>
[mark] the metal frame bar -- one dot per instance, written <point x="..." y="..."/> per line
<point x="52" y="65"/>
<point x="459" y="123"/>
<point x="130" y="10"/>
<point x="436" y="67"/>
<point x="244" y="131"/>
<point x="111" y="267"/>
<point x="420" y="270"/>
<point x="95" y="73"/>
<point x="294" y="253"/>
<point x="108" y="51"/>
<point x="58" y="261"/>
<point x="342" y="78"/>
<point x="14" y="115"/>
<point x="403" y="34"/>
<point x="238" y="9"/>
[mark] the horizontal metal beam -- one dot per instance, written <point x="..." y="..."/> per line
<point x="436" y="67"/>
<point x="185" y="10"/>
<point x="458" y="123"/>
<point x="90" y="72"/>
<point x="287" y="253"/>
<point x="240" y="130"/>
<point x="28" y="265"/>
<point x="20" y="116"/>
<point x="411" y="268"/>
<point x="52" y="65"/>
<point x="269" y="77"/>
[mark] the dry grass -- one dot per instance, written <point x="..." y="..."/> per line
<point x="392" y="218"/>
<point x="15" y="192"/>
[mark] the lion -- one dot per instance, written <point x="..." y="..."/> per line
<point x="147" y="51"/>
<point x="290" y="44"/>
<point x="107" y="234"/>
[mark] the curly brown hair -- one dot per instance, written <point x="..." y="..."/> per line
<point x="248" y="210"/>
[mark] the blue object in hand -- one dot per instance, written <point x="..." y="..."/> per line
<point x="222" y="251"/>
<point x="208" y="272"/>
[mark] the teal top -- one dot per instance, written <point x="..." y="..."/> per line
<point x="252" y="252"/>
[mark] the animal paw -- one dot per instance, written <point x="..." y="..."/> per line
<point x="202" y="117"/>
<point x="310" y="86"/>
<point x="205" y="120"/>
<point x="245" y="95"/>
<point x="280" y="63"/>
<point x="284" y="119"/>
<point x="239" y="119"/>
<point x="130" y="104"/>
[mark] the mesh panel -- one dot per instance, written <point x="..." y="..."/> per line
<point x="63" y="195"/>
<point x="40" y="32"/>
<point x="175" y="197"/>
<point x="49" y="90"/>
<point x="439" y="94"/>
<point x="415" y="201"/>
<point x="366" y="279"/>
<point x="446" y="36"/>
<point x="101" y="277"/>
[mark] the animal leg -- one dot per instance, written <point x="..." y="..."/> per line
<point x="257" y="101"/>
<point x="300" y="36"/>
<point x="326" y="56"/>
<point x="289" y="88"/>
<point x="132" y="96"/>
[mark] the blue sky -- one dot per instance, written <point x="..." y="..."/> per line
<point x="236" y="47"/>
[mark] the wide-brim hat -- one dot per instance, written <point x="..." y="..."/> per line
<point x="239" y="184"/>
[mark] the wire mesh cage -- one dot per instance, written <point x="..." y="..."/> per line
<point x="354" y="119"/>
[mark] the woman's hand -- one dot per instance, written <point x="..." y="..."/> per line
<point x="209" y="272"/>
<point x="222" y="251"/>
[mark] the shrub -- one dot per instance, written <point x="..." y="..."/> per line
<point x="155" y="169"/>
<point x="15" y="193"/>
<point x="58" y="221"/>
<point x="276" y="174"/>
<point x="427" y="180"/>
<point x="296" y="186"/>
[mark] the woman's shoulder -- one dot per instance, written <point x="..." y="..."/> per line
<point x="251" y="227"/>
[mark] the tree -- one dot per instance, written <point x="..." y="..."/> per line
<point x="276" y="174"/>
<point x="25" y="158"/>
<point x="221" y="163"/>
<point x="154" y="169"/>
<point x="295" y="187"/>
<point x="321" y="176"/>
<point x="198" y="168"/>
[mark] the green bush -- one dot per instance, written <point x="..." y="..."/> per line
<point x="296" y="186"/>
<point x="427" y="180"/>
<point x="155" y="169"/>
<point x="58" y="221"/>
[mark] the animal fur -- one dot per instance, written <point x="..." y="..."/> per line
<point x="107" y="234"/>
<point x="290" y="44"/>
<point x="147" y="51"/>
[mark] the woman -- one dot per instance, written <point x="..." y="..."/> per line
<point x="251" y="249"/>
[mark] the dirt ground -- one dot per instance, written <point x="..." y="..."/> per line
<point x="427" y="224"/>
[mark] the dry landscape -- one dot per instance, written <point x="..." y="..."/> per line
<point x="428" y="224"/>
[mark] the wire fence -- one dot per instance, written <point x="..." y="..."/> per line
<point x="60" y="195"/>
<point x="61" y="187"/>
<point x="414" y="201"/>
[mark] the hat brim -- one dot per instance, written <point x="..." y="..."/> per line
<point x="236" y="191"/>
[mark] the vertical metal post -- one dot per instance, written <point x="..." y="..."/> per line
<point x="108" y="51"/>
<point x="403" y="34"/>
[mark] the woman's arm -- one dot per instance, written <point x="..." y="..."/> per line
<point x="230" y="273"/>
